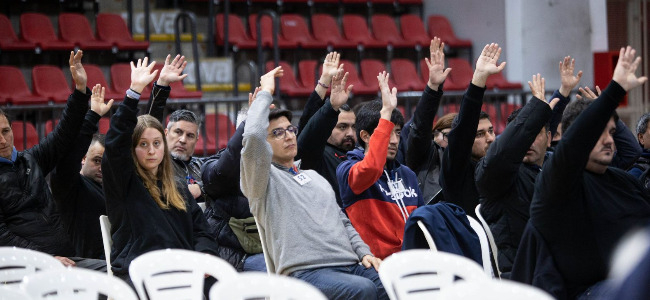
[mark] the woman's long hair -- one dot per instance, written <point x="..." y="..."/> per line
<point x="171" y="196"/>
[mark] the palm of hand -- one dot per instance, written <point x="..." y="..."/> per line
<point x="487" y="64"/>
<point x="169" y="73"/>
<point x="330" y="68"/>
<point x="437" y="74"/>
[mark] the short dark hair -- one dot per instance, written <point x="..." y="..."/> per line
<point x="8" y="116"/>
<point x="481" y="116"/>
<point x="345" y="107"/>
<point x="642" y="125"/>
<point x="99" y="138"/>
<point x="280" y="112"/>
<point x="574" y="109"/>
<point x="183" y="115"/>
<point x="516" y="112"/>
<point x="368" y="118"/>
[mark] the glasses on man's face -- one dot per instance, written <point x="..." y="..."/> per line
<point x="280" y="133"/>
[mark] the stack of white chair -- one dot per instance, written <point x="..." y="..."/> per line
<point x="493" y="290"/>
<point x="16" y="263"/>
<point x="75" y="284"/>
<point x="255" y="285"/>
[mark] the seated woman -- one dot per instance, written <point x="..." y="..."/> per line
<point x="148" y="210"/>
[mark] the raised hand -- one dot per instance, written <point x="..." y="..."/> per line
<point x="587" y="93"/>
<point x="78" y="72"/>
<point x="141" y="74"/>
<point x="97" y="101"/>
<point x="568" y="79"/>
<point x="171" y="72"/>
<point x="330" y="67"/>
<point x="486" y="64"/>
<point x="388" y="96"/>
<point x="251" y="96"/>
<point x="340" y="94"/>
<point x="436" y="64"/>
<point x="267" y="81"/>
<point x="625" y="69"/>
<point x="537" y="87"/>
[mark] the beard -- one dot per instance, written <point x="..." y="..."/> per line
<point x="179" y="156"/>
<point x="347" y="144"/>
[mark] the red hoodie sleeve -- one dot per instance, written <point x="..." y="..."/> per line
<point x="366" y="172"/>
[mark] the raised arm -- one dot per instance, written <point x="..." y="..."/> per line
<point x="171" y="72"/>
<point x="50" y="150"/>
<point x="117" y="165"/>
<point x="316" y="99"/>
<point x="496" y="173"/>
<point x="419" y="142"/>
<point x="312" y="141"/>
<point x="256" y="153"/>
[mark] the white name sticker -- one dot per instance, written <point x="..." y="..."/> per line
<point x="302" y="178"/>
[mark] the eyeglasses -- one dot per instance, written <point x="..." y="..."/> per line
<point x="280" y="133"/>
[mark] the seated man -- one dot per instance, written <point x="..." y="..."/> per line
<point x="305" y="233"/>
<point x="29" y="217"/>
<point x="581" y="206"/>
<point x="372" y="182"/>
<point x="643" y="134"/>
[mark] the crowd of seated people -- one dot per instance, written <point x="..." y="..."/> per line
<point x="326" y="201"/>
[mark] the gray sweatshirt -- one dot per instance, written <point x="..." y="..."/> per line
<point x="301" y="225"/>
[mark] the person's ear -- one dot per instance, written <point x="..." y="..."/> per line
<point x="166" y="131"/>
<point x="83" y="160"/>
<point x="549" y="138"/>
<point x="640" y="137"/>
<point x="365" y="136"/>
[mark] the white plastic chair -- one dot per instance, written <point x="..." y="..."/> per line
<point x="255" y="285"/>
<point x="485" y="250"/>
<point x="493" y="290"/>
<point x="176" y="273"/>
<point x="16" y="263"/>
<point x="13" y="293"/>
<point x="427" y="236"/>
<point x="76" y="284"/>
<point x="270" y="267"/>
<point x="490" y="237"/>
<point x="422" y="274"/>
<point x="107" y="240"/>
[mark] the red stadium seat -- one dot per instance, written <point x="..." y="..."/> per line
<point x="405" y="76"/>
<point x="96" y="76"/>
<point x="22" y="135"/>
<point x="267" y="32"/>
<point x="37" y="28"/>
<point x="450" y="85"/>
<point x="288" y="83"/>
<point x="49" y="82"/>
<point x="499" y="82"/>
<point x="237" y="35"/>
<point x="8" y="38"/>
<point x="356" y="30"/>
<point x="439" y="26"/>
<point x="327" y="31"/>
<point x="307" y="72"/>
<point x="413" y="30"/>
<point x="369" y="70"/>
<point x="14" y="89"/>
<point x="385" y="30"/>
<point x="294" y="28"/>
<point x="461" y="74"/>
<point x="179" y="91"/>
<point x="75" y="28"/>
<point x="121" y="78"/>
<point x="104" y="124"/>
<point x="360" y="87"/>
<point x="225" y="130"/>
<point x="112" y="28"/>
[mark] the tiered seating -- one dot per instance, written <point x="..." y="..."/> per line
<point x="497" y="81"/>
<point x="460" y="76"/>
<point x="96" y="76"/>
<point x="294" y="28"/>
<point x="8" y="38"/>
<point x="288" y="83"/>
<point x="405" y="76"/>
<point x="413" y="30"/>
<point x="356" y="30"/>
<point x="13" y="88"/>
<point x="385" y="30"/>
<point x="328" y="31"/>
<point x="360" y="87"/>
<point x="29" y="134"/>
<point x="439" y="26"/>
<point x="307" y="71"/>
<point x="220" y="125"/>
<point x="112" y="28"/>
<point x="37" y="28"/>
<point x="237" y="35"/>
<point x="370" y="68"/>
<point x="49" y="82"/>
<point x="75" y="28"/>
<point x="267" y="33"/>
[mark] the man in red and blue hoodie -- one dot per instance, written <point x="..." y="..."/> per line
<point x="378" y="193"/>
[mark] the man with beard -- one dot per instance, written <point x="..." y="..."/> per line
<point x="372" y="182"/>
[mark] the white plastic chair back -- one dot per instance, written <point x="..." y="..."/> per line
<point x="107" y="240"/>
<point x="427" y="236"/>
<point x="494" y="290"/>
<point x="422" y="274"/>
<point x="202" y="205"/>
<point x="493" y="244"/>
<point x="255" y="285"/>
<point x="270" y="267"/>
<point x="76" y="284"/>
<point x="13" y="292"/>
<point x="176" y="273"/>
<point x="16" y="263"/>
<point x="485" y="248"/>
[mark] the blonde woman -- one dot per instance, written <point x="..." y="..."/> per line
<point x="148" y="210"/>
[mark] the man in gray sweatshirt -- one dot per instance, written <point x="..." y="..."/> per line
<point x="305" y="233"/>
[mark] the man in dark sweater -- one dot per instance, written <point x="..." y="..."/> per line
<point x="643" y="134"/>
<point x="470" y="136"/>
<point x="505" y="177"/>
<point x="581" y="207"/>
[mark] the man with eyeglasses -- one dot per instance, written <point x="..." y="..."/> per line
<point x="306" y="234"/>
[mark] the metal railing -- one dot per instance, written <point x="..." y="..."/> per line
<point x="188" y="16"/>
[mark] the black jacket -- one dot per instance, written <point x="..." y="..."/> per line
<point x="506" y="184"/>
<point x="423" y="155"/>
<point x="28" y="214"/>
<point x="80" y="199"/>
<point x="457" y="174"/>
<point x="139" y="225"/>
